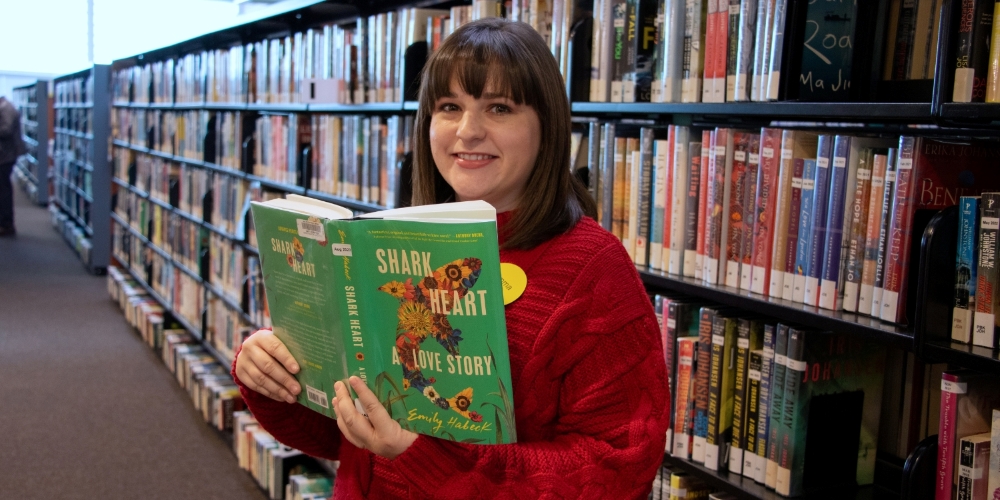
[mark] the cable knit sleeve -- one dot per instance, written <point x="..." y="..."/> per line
<point x="599" y="355"/>
<point x="291" y="423"/>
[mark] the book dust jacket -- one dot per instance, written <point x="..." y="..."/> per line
<point x="415" y="309"/>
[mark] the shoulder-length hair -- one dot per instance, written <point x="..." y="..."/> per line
<point x="509" y="58"/>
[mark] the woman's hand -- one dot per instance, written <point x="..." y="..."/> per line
<point x="265" y="365"/>
<point x="378" y="433"/>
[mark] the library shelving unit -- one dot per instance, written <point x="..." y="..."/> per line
<point x="202" y="127"/>
<point x="32" y="168"/>
<point x="81" y="176"/>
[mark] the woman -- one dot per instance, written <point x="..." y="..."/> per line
<point x="589" y="383"/>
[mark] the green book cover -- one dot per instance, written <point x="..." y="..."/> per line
<point x="720" y="397"/>
<point x="409" y="300"/>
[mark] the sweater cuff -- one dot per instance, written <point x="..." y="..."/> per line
<point x="432" y="459"/>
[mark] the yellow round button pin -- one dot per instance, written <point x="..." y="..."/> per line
<point x="513" y="280"/>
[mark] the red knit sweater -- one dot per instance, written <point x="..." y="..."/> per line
<point x="589" y="384"/>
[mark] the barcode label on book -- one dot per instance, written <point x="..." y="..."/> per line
<point x="311" y="230"/>
<point x="890" y="177"/>
<point x="678" y="492"/>
<point x="781" y="359"/>
<point x="754" y="375"/>
<point x="719" y="340"/>
<point x="743" y="343"/>
<point x="720" y="151"/>
<point x="954" y="387"/>
<point x="754" y="158"/>
<point x="991" y="223"/>
<point x="342" y="250"/>
<point x="808" y="183"/>
<point x="317" y="396"/>
<point x="796" y="183"/>
<point x="671" y="323"/>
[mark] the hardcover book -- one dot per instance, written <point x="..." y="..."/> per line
<point x="965" y="269"/>
<point x="409" y="300"/>
<point x="987" y="276"/>
<point x="967" y="403"/>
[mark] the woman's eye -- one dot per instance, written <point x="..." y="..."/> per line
<point x="501" y="108"/>
<point x="447" y="107"/>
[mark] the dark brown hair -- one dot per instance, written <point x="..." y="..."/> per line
<point x="509" y="58"/>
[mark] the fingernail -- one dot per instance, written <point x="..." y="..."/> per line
<point x="295" y="368"/>
<point x="296" y="389"/>
<point x="290" y="399"/>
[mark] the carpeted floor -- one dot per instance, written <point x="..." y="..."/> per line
<point x="87" y="411"/>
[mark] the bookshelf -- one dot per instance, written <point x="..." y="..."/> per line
<point x="81" y="176"/>
<point x="32" y="169"/>
<point x="172" y="223"/>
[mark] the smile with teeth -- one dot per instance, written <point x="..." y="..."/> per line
<point x="473" y="157"/>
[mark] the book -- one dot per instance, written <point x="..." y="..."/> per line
<point x="866" y="290"/>
<point x="752" y="412"/>
<point x="856" y="224"/>
<point x="656" y="220"/>
<point x="703" y="204"/>
<point x="643" y="172"/>
<point x="686" y="487"/>
<point x="832" y="401"/>
<point x="750" y="337"/>
<point x="993" y="71"/>
<point x="717" y="224"/>
<point x="732" y="237"/>
<point x="967" y="403"/>
<point x="764" y="406"/>
<point x="973" y="466"/>
<point x="691" y="213"/>
<point x="749" y="211"/>
<point x="680" y="168"/>
<point x="694" y="50"/>
<point x="768" y="197"/>
<point x="685" y="364"/>
<point x="993" y="484"/>
<point x="777" y="49"/>
<point x="972" y="52"/>
<point x="332" y="279"/>
<point x="720" y="396"/>
<point x="703" y="362"/>
<point x="883" y="232"/>
<point x="987" y="275"/>
<point x="805" y="239"/>
<point x="820" y="206"/>
<point x="966" y="266"/>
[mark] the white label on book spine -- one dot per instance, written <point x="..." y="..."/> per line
<point x="905" y="163"/>
<point x="734" y="10"/>
<point x="890" y="176"/>
<point x="781" y="359"/>
<point x="678" y="492"/>
<point x="839" y="162"/>
<point x="822" y="162"/>
<point x="342" y="250"/>
<point x="698" y="449"/>
<point x="754" y="158"/>
<point x="864" y="174"/>
<point x="991" y="223"/>
<point x="982" y="329"/>
<point x="719" y="340"/>
<point x="786" y="154"/>
<point x="711" y="456"/>
<point x="768" y="353"/>
<point x="311" y="230"/>
<point x="672" y="323"/>
<point x="890" y="305"/>
<point x="954" y="387"/>
<point x="767" y="153"/>
<point x="743" y="343"/>
<point x="720" y="151"/>
<point x="794" y="364"/>
<point x="740" y="156"/>
<point x="754" y="375"/>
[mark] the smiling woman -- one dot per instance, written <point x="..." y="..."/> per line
<point x="587" y="371"/>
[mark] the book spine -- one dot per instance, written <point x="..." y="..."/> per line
<point x="993" y="480"/>
<point x="764" y="405"/>
<point x="745" y="50"/>
<point x="630" y="227"/>
<point x="777" y="47"/>
<point x="734" y="213"/>
<point x="595" y="50"/>
<point x="740" y="397"/>
<point x="966" y="265"/>
<point x="764" y="216"/>
<point x="619" y="200"/>
<point x="678" y="222"/>
<point x="629" y="50"/>
<point x="691" y="210"/>
<point x="732" y="49"/>
<point x="705" y="180"/>
<point x="762" y="47"/>
<point x="776" y="405"/>
<point x="866" y="290"/>
<point x="966" y="457"/>
<point x="708" y="70"/>
<point x="713" y="439"/>
<point x="821" y="195"/>
<point x="718" y="195"/>
<point x="898" y="253"/>
<point x="685" y="362"/>
<point x="792" y="236"/>
<point x="952" y="387"/>
<point x="749" y="211"/>
<point x="805" y="236"/>
<point x="856" y="235"/>
<point x="792" y="434"/>
<point x="645" y="163"/>
<point x="987" y="275"/>
<point x="830" y="275"/>
<point x="756" y="362"/>
<point x="668" y="219"/>
<point x="594" y="149"/>
<point x="722" y="45"/>
<point x="694" y="50"/>
<point x="702" y="382"/>
<point x="993" y="73"/>
<point x="883" y="233"/>
<point x="783" y="210"/>
<point x="619" y="41"/>
<point x="659" y="212"/>
<point x="668" y="338"/>
<point x="972" y="39"/>
<point x="607" y="183"/>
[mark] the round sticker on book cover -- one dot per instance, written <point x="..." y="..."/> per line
<point x="513" y="280"/>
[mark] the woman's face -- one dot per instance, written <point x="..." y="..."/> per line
<point x="484" y="148"/>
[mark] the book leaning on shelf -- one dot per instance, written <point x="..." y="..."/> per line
<point x="409" y="300"/>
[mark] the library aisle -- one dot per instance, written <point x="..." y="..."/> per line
<point x="86" y="409"/>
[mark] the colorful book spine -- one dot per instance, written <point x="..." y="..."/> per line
<point x="719" y="221"/>
<point x="668" y="335"/>
<point x="668" y="203"/>
<point x="821" y="195"/>
<point x="993" y="485"/>
<point x="708" y="80"/>
<point x="764" y="405"/>
<point x="953" y="385"/>
<point x="777" y="48"/>
<point x="858" y="215"/>
<point x="630" y="225"/>
<point x="866" y="290"/>
<point x="830" y="277"/>
<point x="733" y="237"/>
<point x="607" y="175"/>
<point x="678" y="222"/>
<point x="659" y="209"/>
<point x="756" y="363"/>
<point x="792" y="236"/>
<point x="645" y="164"/>
<point x="777" y="404"/>
<point x="806" y="226"/>
<point x="987" y="274"/>
<point x="883" y="233"/>
<point x="703" y="365"/>
<point x="685" y="364"/>
<point x="749" y="211"/>
<point x="703" y="203"/>
<point x="720" y="397"/>
<point x="732" y="49"/>
<point x="783" y="211"/>
<point x="764" y="213"/>
<point x="973" y="466"/>
<point x="900" y="231"/>
<point x="619" y="200"/>
<point x="694" y="184"/>
<point x="966" y="266"/>
<point x="694" y="51"/>
<point x="792" y="424"/>
<point x="740" y="396"/>
<point x="993" y="73"/>
<point x="972" y="54"/>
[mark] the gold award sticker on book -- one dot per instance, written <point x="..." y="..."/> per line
<point x="514" y="281"/>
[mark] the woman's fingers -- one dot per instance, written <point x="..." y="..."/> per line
<point x="255" y="379"/>
<point x="276" y="348"/>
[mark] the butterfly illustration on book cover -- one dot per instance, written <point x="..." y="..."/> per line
<point x="420" y="319"/>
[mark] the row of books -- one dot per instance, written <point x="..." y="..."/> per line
<point x="75" y="119"/>
<point x="822" y="219"/>
<point x="283" y="472"/>
<point x="671" y="484"/>
<point x="968" y="454"/>
<point x="63" y="224"/>
<point x="749" y="394"/>
<point x="79" y="90"/>
<point x="977" y="60"/>
<point x="977" y="303"/>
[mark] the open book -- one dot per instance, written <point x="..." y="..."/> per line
<point x="409" y="300"/>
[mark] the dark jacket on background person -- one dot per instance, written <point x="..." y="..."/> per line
<point x="11" y="144"/>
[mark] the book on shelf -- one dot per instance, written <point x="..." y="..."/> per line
<point x="987" y="305"/>
<point x="972" y="52"/>
<point x="993" y="475"/>
<point x="967" y="403"/>
<point x="973" y="466"/>
<point x="966" y="266"/>
<point x="436" y="266"/>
